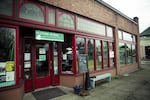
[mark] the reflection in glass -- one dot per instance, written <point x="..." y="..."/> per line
<point x="134" y="53"/>
<point x="127" y="36"/>
<point x="66" y="20"/>
<point x="80" y="45"/>
<point x="67" y="55"/>
<point x="111" y="54"/>
<point x="129" y="53"/>
<point x="55" y="59"/>
<point x="98" y="55"/>
<point x="109" y="31"/>
<point x="7" y="56"/>
<point x="90" y="26"/>
<point x="52" y="17"/>
<point x="91" y="54"/>
<point x="27" y="59"/>
<point x="122" y="53"/>
<point x="105" y="54"/>
<point x="6" y="7"/>
<point x="42" y="68"/>
<point x="32" y="12"/>
<point x="120" y="35"/>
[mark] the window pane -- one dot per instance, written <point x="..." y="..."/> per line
<point x="67" y="65"/>
<point x="120" y="35"/>
<point x="32" y="12"/>
<point x="134" y="53"/>
<point x="109" y="31"/>
<point x="6" y="7"/>
<point x="91" y="54"/>
<point x="7" y="56"/>
<point x="80" y="48"/>
<point x="105" y="55"/>
<point x="127" y="36"/>
<point x="42" y="67"/>
<point x="111" y="54"/>
<point x="51" y="17"/>
<point x="134" y="39"/>
<point x="122" y="53"/>
<point x="98" y="55"/>
<point x="27" y="59"/>
<point x="90" y="26"/>
<point x="66" y="20"/>
<point x="129" y="53"/>
<point x="80" y="45"/>
<point x="55" y="59"/>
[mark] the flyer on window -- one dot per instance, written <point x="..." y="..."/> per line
<point x="2" y="68"/>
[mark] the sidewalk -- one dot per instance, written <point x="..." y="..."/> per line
<point x="135" y="86"/>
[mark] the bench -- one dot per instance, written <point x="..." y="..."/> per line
<point x="106" y="76"/>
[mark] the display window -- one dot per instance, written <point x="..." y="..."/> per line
<point x="100" y="53"/>
<point x="8" y="66"/>
<point x="67" y="55"/>
<point x="127" y="47"/>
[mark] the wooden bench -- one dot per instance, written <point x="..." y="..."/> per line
<point x="106" y="76"/>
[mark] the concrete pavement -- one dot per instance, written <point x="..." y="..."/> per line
<point x="134" y="86"/>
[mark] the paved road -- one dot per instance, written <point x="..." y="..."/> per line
<point x="135" y="86"/>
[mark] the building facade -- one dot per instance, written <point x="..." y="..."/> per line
<point x="53" y="42"/>
<point x="144" y="44"/>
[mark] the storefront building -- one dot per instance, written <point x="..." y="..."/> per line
<point x="41" y="42"/>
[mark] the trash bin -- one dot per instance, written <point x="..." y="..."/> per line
<point x="77" y="89"/>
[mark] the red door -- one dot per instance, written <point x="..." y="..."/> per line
<point x="43" y="65"/>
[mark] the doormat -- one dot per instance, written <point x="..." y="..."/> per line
<point x="48" y="94"/>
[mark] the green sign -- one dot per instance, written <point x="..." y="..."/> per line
<point x="50" y="36"/>
<point x="42" y="57"/>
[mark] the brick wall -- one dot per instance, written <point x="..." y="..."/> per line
<point x="96" y="11"/>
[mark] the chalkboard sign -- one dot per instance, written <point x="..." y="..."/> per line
<point x="82" y="62"/>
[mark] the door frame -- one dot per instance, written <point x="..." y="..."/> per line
<point x="43" y="81"/>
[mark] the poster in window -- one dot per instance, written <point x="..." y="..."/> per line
<point x="10" y="66"/>
<point x="42" y="57"/>
<point x="27" y="56"/>
<point x="2" y="68"/>
<point x="10" y="76"/>
<point x="27" y="64"/>
<point x="82" y="62"/>
<point x="42" y="51"/>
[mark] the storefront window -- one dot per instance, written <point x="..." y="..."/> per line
<point x="109" y="31"/>
<point x="80" y="49"/>
<point x="127" y="36"/>
<point x="51" y="17"/>
<point x="98" y="55"/>
<point x="105" y="54"/>
<point x="80" y="44"/>
<point x="27" y="59"/>
<point x="90" y="26"/>
<point x="129" y="53"/>
<point x="32" y="12"/>
<point x="127" y="48"/>
<point x="55" y="59"/>
<point x="7" y="56"/>
<point x="91" y="54"/>
<point x="6" y="7"/>
<point x="111" y="54"/>
<point x="134" y="53"/>
<point x="65" y="20"/>
<point x="122" y="53"/>
<point x="67" y="55"/>
<point x="120" y="35"/>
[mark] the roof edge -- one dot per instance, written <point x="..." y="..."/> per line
<point x="115" y="10"/>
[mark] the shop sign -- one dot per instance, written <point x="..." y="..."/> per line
<point x="49" y="36"/>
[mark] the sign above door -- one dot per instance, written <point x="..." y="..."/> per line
<point x="49" y="36"/>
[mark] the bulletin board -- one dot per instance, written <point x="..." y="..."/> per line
<point x="82" y="63"/>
